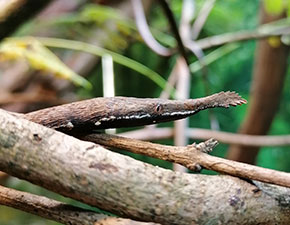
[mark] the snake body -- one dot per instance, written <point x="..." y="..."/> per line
<point x="115" y="112"/>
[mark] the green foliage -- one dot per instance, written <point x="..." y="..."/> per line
<point x="277" y="7"/>
<point x="98" y="51"/>
<point x="213" y="56"/>
<point x="39" y="58"/>
<point x="274" y="6"/>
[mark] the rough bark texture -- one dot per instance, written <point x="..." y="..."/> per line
<point x="268" y="78"/>
<point x="117" y="183"/>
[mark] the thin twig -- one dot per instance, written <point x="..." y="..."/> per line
<point x="197" y="50"/>
<point x="144" y="30"/>
<point x="201" y="18"/>
<point x="174" y="28"/>
<point x="58" y="211"/>
<point x="183" y="89"/>
<point x="187" y="15"/>
<point x="191" y="158"/>
<point x="222" y="39"/>
<point x="108" y="81"/>
<point x="165" y="94"/>
<point x="185" y="32"/>
<point x="181" y="69"/>
<point x="188" y="39"/>
<point x="204" y="134"/>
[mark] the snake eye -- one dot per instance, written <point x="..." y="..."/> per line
<point x="158" y="108"/>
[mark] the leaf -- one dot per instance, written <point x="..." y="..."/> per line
<point x="118" y="58"/>
<point x="101" y="13"/>
<point x="105" y="17"/>
<point x="39" y="57"/>
<point x="274" y="6"/>
<point x="274" y="41"/>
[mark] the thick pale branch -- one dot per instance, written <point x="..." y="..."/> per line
<point x="204" y="134"/>
<point x="117" y="183"/>
<point x="58" y="211"/>
<point x="191" y="157"/>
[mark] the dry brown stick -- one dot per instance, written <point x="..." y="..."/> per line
<point x="160" y="133"/>
<point x="58" y="211"/>
<point x="191" y="158"/>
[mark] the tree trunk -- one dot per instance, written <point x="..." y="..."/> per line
<point x="268" y="78"/>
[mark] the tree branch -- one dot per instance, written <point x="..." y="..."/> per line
<point x="262" y="32"/>
<point x="201" y="18"/>
<point x="96" y="108"/>
<point x="192" y="157"/>
<point x="144" y="30"/>
<point x="91" y="174"/>
<point x="174" y="28"/>
<point x="58" y="211"/>
<point x="159" y="133"/>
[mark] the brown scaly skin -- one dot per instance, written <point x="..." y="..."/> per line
<point x="100" y="113"/>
